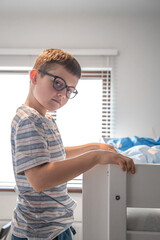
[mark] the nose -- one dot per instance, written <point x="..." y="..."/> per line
<point x="62" y="93"/>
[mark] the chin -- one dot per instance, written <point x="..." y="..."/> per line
<point x="53" y="109"/>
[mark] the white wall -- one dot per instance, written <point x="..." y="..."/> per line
<point x="137" y="39"/>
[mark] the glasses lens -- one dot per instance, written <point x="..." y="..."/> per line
<point x="59" y="84"/>
<point x="71" y="92"/>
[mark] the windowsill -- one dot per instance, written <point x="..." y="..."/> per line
<point x="74" y="190"/>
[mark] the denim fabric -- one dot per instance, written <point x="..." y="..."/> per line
<point x="63" y="236"/>
<point x="17" y="238"/>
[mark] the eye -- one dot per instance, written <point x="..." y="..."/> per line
<point x="70" y="90"/>
<point x="59" y="84"/>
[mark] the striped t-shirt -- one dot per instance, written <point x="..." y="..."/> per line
<point x="36" y="140"/>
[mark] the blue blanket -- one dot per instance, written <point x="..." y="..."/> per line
<point x="126" y="142"/>
<point x="141" y="150"/>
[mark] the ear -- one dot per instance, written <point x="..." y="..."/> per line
<point x="33" y="76"/>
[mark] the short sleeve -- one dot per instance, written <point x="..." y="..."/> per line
<point x="31" y="148"/>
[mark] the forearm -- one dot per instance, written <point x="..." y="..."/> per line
<point x="78" y="150"/>
<point x="55" y="173"/>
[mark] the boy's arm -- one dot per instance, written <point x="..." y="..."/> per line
<point x="55" y="173"/>
<point x="77" y="150"/>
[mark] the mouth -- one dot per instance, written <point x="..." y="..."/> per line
<point x="55" y="100"/>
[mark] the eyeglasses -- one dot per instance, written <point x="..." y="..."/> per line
<point x="59" y="84"/>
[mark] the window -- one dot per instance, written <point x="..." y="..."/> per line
<point x="86" y="118"/>
<point x="14" y="87"/>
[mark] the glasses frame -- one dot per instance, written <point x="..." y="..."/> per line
<point x="66" y="86"/>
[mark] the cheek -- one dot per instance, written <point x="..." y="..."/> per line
<point x="64" y="101"/>
<point x="42" y="92"/>
<point x="46" y="89"/>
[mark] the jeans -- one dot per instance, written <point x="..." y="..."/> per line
<point x="63" y="236"/>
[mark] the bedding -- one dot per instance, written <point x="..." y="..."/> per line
<point x="144" y="154"/>
<point x="141" y="150"/>
<point x="122" y="144"/>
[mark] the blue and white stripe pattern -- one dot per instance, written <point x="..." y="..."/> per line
<point x="36" y="140"/>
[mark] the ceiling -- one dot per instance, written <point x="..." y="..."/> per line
<point x="140" y="7"/>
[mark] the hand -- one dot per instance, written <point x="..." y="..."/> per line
<point x="107" y="147"/>
<point x="108" y="157"/>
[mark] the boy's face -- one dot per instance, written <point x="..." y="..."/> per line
<point x="44" y="95"/>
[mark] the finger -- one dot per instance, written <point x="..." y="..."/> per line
<point x="133" y="169"/>
<point x="130" y="165"/>
<point x="111" y="148"/>
<point x="122" y="164"/>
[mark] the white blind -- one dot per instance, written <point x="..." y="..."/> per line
<point x="104" y="125"/>
<point x="105" y="77"/>
<point x="106" y="107"/>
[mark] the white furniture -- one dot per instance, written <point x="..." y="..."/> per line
<point x="107" y="195"/>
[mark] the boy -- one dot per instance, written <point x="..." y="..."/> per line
<point x="42" y="166"/>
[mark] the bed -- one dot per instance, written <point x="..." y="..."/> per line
<point x="121" y="206"/>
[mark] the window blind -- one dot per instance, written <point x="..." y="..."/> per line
<point x="105" y="76"/>
<point x="106" y="108"/>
